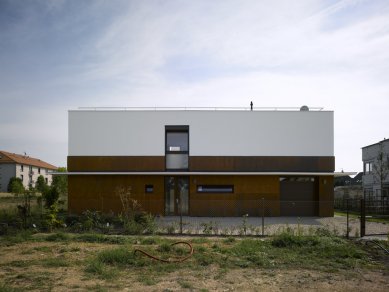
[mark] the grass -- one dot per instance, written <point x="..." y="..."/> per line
<point x="185" y="284"/>
<point x="286" y="250"/>
<point x="112" y="258"/>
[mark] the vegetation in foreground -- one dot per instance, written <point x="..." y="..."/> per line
<point x="42" y="261"/>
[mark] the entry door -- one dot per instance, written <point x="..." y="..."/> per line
<point x="176" y="195"/>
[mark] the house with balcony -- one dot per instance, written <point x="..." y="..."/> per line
<point x="27" y="168"/>
<point x="203" y="161"/>
<point x="375" y="179"/>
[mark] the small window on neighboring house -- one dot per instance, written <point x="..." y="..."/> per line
<point x="21" y="177"/>
<point x="149" y="188"/>
<point x="215" y="188"/>
<point x="368" y="167"/>
<point x="39" y="170"/>
<point x="47" y="180"/>
<point x="47" y="171"/>
<point x="21" y="167"/>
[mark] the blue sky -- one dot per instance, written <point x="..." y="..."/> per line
<point x="59" y="55"/>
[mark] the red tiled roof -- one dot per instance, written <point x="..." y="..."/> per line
<point x="7" y="157"/>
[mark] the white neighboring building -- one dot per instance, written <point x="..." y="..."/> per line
<point x="28" y="169"/>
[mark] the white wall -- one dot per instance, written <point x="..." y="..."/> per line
<point x="211" y="133"/>
<point x="34" y="175"/>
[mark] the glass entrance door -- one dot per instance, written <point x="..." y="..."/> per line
<point x="176" y="195"/>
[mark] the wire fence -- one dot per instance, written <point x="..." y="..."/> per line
<point x="269" y="217"/>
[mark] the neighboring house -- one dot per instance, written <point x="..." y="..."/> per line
<point x="376" y="170"/>
<point x="347" y="180"/>
<point x="203" y="162"/>
<point x="26" y="168"/>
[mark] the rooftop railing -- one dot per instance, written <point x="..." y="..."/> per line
<point x="198" y="108"/>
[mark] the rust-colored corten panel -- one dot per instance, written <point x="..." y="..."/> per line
<point x="98" y="192"/>
<point x="246" y="199"/>
<point x="326" y="196"/>
<point x="89" y="192"/>
<point x="116" y="163"/>
<point x="262" y="163"/>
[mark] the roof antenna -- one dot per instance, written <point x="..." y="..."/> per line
<point x="251" y="105"/>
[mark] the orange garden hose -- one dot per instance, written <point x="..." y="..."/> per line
<point x="175" y="260"/>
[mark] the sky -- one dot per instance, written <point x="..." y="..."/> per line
<point x="65" y="54"/>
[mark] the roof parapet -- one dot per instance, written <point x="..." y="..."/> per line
<point x="196" y="109"/>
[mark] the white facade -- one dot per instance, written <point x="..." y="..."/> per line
<point x="29" y="174"/>
<point x="211" y="133"/>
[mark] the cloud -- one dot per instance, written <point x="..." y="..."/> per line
<point x="58" y="55"/>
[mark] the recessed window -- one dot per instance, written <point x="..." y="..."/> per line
<point x="176" y="141"/>
<point x="149" y="188"/>
<point x="215" y="188"/>
<point x="177" y="147"/>
<point x="368" y="167"/>
<point x="21" y="167"/>
<point x="39" y="170"/>
<point x="298" y="178"/>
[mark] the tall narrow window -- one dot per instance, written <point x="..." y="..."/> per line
<point x="177" y="147"/>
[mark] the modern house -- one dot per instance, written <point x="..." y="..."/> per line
<point x="203" y="162"/>
<point x="28" y="169"/>
<point x="375" y="181"/>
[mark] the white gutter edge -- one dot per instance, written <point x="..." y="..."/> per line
<point x="182" y="173"/>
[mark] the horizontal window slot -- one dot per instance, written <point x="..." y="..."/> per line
<point x="215" y="188"/>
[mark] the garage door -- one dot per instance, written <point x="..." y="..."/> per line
<point x="298" y="198"/>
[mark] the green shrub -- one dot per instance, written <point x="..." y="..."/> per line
<point x="58" y="237"/>
<point x="15" y="186"/>
<point x="287" y="239"/>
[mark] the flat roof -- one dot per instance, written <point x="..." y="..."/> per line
<point x="195" y="109"/>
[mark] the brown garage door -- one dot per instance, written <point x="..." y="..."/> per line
<point x="298" y="198"/>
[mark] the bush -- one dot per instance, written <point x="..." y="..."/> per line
<point x="58" y="237"/>
<point x="15" y="186"/>
<point x="50" y="196"/>
<point x="41" y="185"/>
<point x="286" y="239"/>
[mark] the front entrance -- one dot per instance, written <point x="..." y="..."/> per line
<point x="176" y="195"/>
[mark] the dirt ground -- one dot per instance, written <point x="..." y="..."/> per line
<point x="59" y="266"/>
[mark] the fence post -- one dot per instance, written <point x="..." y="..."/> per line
<point x="363" y="218"/>
<point x="263" y="216"/>
<point x="180" y="215"/>
<point x="347" y="210"/>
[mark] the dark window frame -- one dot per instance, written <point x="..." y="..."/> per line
<point x="215" y="189"/>
<point x="176" y="129"/>
<point x="148" y="187"/>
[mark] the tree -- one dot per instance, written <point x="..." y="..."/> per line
<point x="50" y="196"/>
<point x="60" y="182"/>
<point x="381" y="168"/>
<point x="41" y="184"/>
<point x="15" y="186"/>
